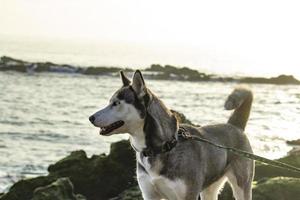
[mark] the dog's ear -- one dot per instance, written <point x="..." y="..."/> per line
<point x="138" y="83"/>
<point x="124" y="78"/>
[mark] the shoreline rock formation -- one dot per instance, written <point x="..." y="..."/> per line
<point x="155" y="71"/>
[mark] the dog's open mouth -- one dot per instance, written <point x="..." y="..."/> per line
<point x="107" y="129"/>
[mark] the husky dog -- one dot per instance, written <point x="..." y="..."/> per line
<point x="187" y="169"/>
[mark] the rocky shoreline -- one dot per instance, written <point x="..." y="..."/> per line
<point x="103" y="177"/>
<point x="155" y="71"/>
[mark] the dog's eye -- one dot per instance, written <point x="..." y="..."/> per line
<point x="115" y="103"/>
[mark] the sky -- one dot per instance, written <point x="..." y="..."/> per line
<point x="257" y="36"/>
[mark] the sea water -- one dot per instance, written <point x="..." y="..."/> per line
<point x="44" y="116"/>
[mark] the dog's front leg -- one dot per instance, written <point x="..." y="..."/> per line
<point x="149" y="191"/>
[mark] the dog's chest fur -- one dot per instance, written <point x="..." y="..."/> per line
<point x="170" y="189"/>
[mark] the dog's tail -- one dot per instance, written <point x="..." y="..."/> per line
<point x="240" y="100"/>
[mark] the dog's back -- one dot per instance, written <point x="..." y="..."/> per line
<point x="207" y="167"/>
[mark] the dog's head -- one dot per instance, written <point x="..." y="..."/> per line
<point x="126" y="110"/>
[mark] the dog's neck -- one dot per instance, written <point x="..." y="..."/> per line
<point x="160" y="125"/>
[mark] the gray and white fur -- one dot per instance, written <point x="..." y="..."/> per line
<point x="191" y="169"/>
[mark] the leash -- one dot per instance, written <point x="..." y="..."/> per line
<point x="183" y="134"/>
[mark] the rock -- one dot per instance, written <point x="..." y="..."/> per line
<point x="279" y="188"/>
<point x="129" y="194"/>
<point x="23" y="189"/>
<point x="64" y="69"/>
<point x="172" y="72"/>
<point x="61" y="189"/>
<point x="284" y="79"/>
<point x="263" y="171"/>
<point x="43" y="67"/>
<point x="281" y="79"/>
<point x="101" y="70"/>
<point x="6" y="59"/>
<point x="293" y="142"/>
<point x="99" y="177"/>
<point x="294" y="151"/>
<point x="13" y="64"/>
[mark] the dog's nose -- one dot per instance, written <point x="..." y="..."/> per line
<point x="92" y="119"/>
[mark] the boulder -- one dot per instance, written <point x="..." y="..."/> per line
<point x="130" y="194"/>
<point x="263" y="171"/>
<point x="293" y="142"/>
<point x="99" y="177"/>
<point x="23" y="189"/>
<point x="279" y="188"/>
<point x="280" y="80"/>
<point x="61" y="189"/>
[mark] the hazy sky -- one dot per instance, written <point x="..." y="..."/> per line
<point x="256" y="35"/>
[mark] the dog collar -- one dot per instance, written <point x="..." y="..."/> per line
<point x="182" y="134"/>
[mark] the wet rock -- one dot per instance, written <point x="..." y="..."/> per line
<point x="61" y="189"/>
<point x="279" y="188"/>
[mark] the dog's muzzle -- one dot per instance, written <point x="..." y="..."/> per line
<point x="92" y="119"/>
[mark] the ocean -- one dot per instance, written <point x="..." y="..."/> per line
<point x="44" y="116"/>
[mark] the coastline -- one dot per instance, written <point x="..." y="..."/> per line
<point x="155" y="71"/>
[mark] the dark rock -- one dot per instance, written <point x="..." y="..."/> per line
<point x="6" y="59"/>
<point x="99" y="177"/>
<point x="293" y="142"/>
<point x="101" y="70"/>
<point x="43" y="67"/>
<point x="23" y="189"/>
<point x="129" y="194"/>
<point x="17" y="67"/>
<point x="13" y="64"/>
<point x="280" y="188"/>
<point x="294" y="151"/>
<point x="263" y="171"/>
<point x="282" y="79"/>
<point x="172" y="72"/>
<point x="61" y="189"/>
